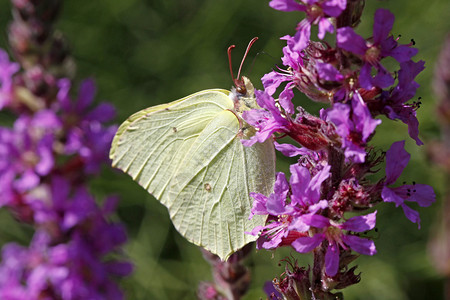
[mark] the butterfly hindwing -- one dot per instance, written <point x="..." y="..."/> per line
<point x="211" y="202"/>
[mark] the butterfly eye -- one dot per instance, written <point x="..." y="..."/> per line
<point x="240" y="88"/>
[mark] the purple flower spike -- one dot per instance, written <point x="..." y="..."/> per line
<point x="81" y="110"/>
<point x="396" y="160"/>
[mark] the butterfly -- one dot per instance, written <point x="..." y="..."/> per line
<point x="188" y="154"/>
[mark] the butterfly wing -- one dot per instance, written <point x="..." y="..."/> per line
<point x="188" y="155"/>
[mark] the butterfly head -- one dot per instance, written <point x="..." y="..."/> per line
<point x="243" y="96"/>
<point x="243" y="92"/>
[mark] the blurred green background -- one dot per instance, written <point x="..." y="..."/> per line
<point x="143" y="53"/>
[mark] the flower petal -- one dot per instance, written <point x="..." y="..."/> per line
<point x="360" y="245"/>
<point x="334" y="8"/>
<point x="360" y="223"/>
<point x="350" y="41"/>
<point x="388" y="195"/>
<point x="290" y="150"/>
<point x="271" y="81"/>
<point x="328" y="72"/>
<point x="332" y="259"/>
<point x="286" y="5"/>
<point x="316" y="220"/>
<point x="307" y="244"/>
<point x="411" y="214"/>
<point x="259" y="205"/>
<point x="382" y="25"/>
<point x="396" y="160"/>
<point x="423" y="194"/>
<point x="301" y="38"/>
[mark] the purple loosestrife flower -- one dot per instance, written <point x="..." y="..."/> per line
<point x="302" y="73"/>
<point x="333" y="233"/>
<point x="318" y="12"/>
<point x="268" y="120"/>
<point x="59" y="205"/>
<point x="81" y="110"/>
<point x="26" y="154"/>
<point x="396" y="160"/>
<point x="372" y="52"/>
<point x="354" y="124"/>
<point x="285" y="222"/>
<point x="309" y="131"/>
<point x="393" y="103"/>
<point x="7" y="70"/>
<point x="86" y="133"/>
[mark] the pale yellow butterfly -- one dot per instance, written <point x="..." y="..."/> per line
<point x="188" y="154"/>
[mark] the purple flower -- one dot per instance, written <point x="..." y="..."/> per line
<point x="91" y="141"/>
<point x="7" y="70"/>
<point x="26" y="155"/>
<point x="317" y="12"/>
<point x="80" y="110"/>
<point x="396" y="160"/>
<point x="285" y="221"/>
<point x="61" y="205"/>
<point x="354" y="124"/>
<point x="394" y="103"/>
<point x="309" y="131"/>
<point x="334" y="233"/>
<point x="382" y="45"/>
<point x="302" y="73"/>
<point x="268" y="120"/>
<point x="86" y="134"/>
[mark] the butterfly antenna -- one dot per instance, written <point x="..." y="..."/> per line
<point x="238" y="82"/>
<point x="229" y="62"/>
<point x="250" y="44"/>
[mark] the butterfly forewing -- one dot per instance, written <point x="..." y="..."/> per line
<point x="150" y="145"/>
